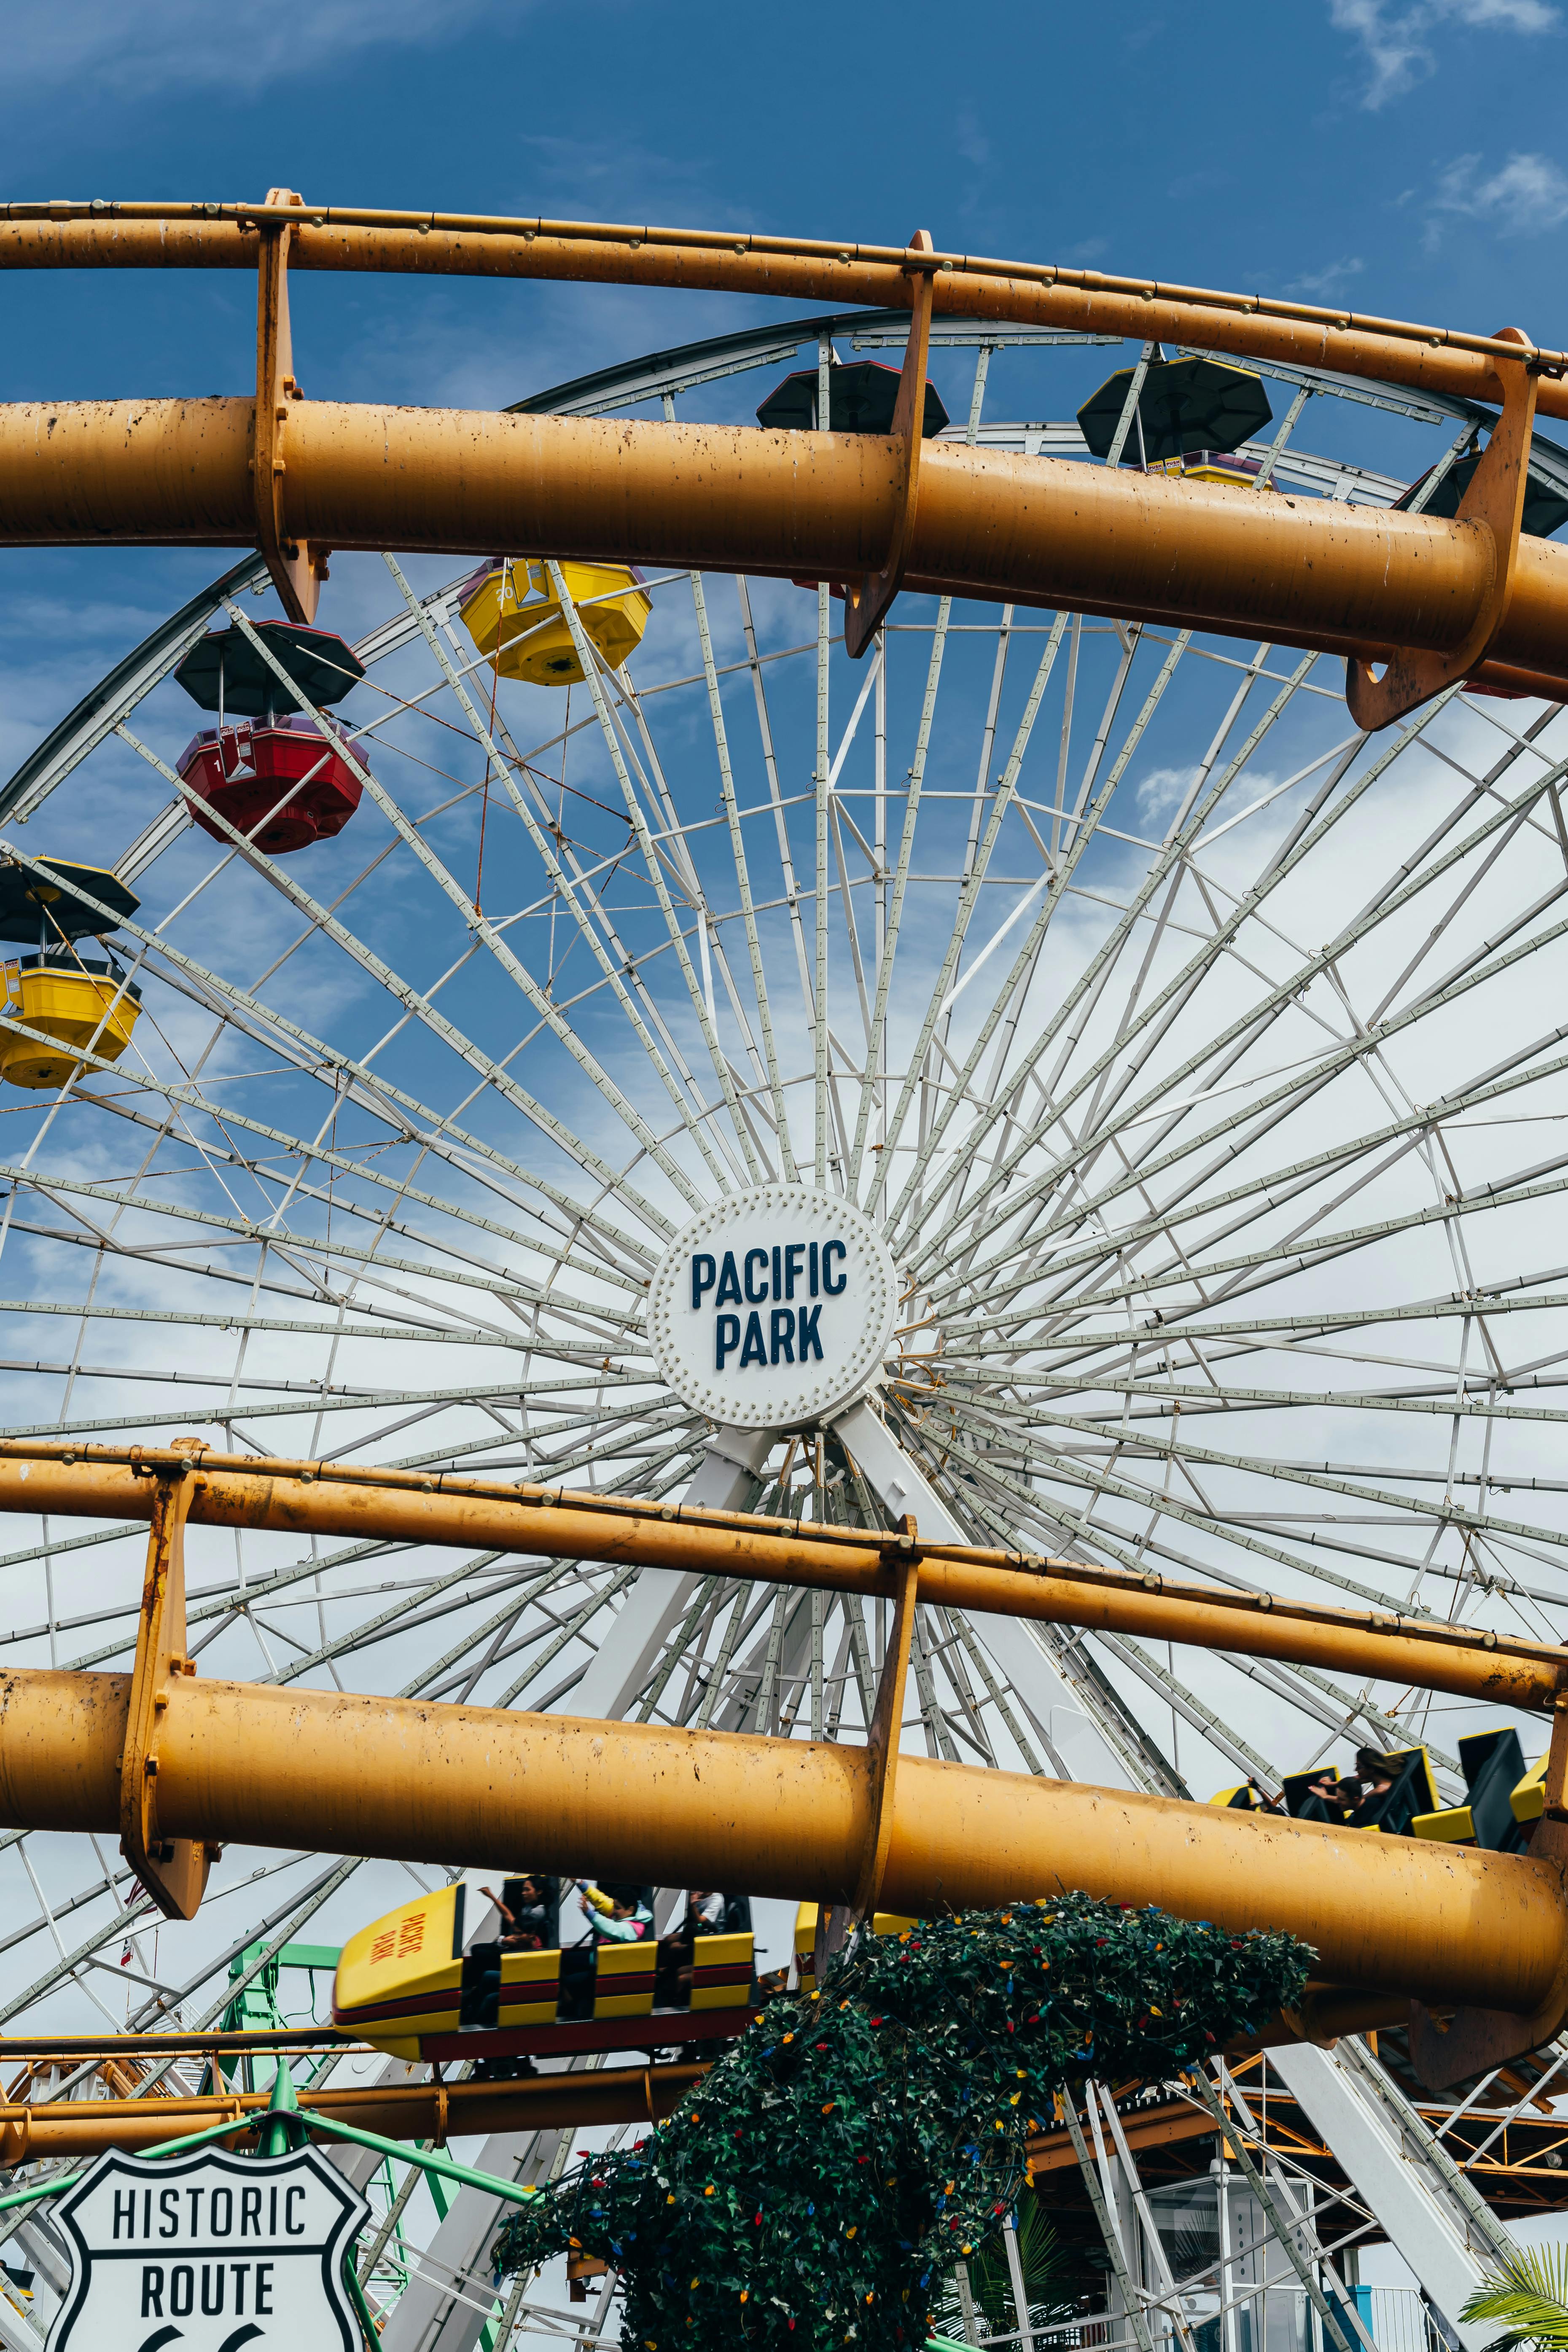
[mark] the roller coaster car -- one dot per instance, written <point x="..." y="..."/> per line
<point x="1505" y="1799"/>
<point x="884" y="1923"/>
<point x="414" y="1986"/>
<point x="1505" y="1796"/>
<point x="1413" y="1795"/>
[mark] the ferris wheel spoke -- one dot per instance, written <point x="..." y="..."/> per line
<point x="1315" y="827"/>
<point x="1166" y="872"/>
<point x="876" y="1051"/>
<point x="295" y="1147"/>
<point x="1257" y="1195"/>
<point x="1439" y="1513"/>
<point x="699" y="997"/>
<point x="633" y="968"/>
<point x="432" y="1601"/>
<point x="1243" y="1031"/>
<point x="275" y="1026"/>
<point x="743" y="883"/>
<point x="1273" y="1110"/>
<point x="509" y="962"/>
<point x="560" y="880"/>
<point x="1065" y="863"/>
<point x="776" y="802"/>
<point x="1075" y="1472"/>
<point x="343" y="1267"/>
<point x="943" y="990"/>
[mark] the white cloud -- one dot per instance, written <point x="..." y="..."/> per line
<point x="1396" y="39"/>
<point x="969" y="140"/>
<point x="1332" y="275"/>
<point x="1164" y="790"/>
<point x="1527" y="196"/>
<point x="184" y="43"/>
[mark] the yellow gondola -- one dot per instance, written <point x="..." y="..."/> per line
<point x="76" y="999"/>
<point x="419" y="1984"/>
<point x="77" y="1002"/>
<point x="513" y="603"/>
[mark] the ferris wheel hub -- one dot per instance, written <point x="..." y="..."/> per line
<point x="774" y="1307"/>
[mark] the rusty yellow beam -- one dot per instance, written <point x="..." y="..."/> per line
<point x="1359" y="581"/>
<point x="306" y="1498"/>
<point x="350" y="1774"/>
<point x="1433" y="601"/>
<point x="33" y="2132"/>
<point x="141" y="235"/>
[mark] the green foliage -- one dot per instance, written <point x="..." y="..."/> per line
<point x="852" y="2145"/>
<point x="1531" y="2291"/>
<point x="1053" y="2280"/>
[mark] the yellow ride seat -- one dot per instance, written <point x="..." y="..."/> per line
<point x="623" y="1979"/>
<point x="1502" y="1799"/>
<point x="722" y="1971"/>
<point x="1529" y="1800"/>
<point x="1242" y="1799"/>
<point x="76" y="1001"/>
<point x="530" y="1988"/>
<point x="512" y="606"/>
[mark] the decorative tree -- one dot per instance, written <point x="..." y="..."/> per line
<point x="856" y="2142"/>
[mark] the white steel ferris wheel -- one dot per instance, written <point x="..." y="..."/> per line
<point x="1199" y="1059"/>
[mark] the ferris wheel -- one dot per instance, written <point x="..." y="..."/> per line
<point x="1193" y="1062"/>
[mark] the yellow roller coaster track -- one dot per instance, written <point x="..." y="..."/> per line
<point x="182" y="1766"/>
<point x="1435" y="601"/>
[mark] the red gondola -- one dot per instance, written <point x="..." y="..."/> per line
<point x="248" y="769"/>
<point x="265" y="764"/>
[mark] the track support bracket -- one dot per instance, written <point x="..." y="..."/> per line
<point x="835" y="1921"/>
<point x="867" y="600"/>
<point x="172" y="1870"/>
<point x="297" y="571"/>
<point x="1495" y="500"/>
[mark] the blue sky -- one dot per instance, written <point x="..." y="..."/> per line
<point x="1400" y="154"/>
<point x="1397" y="154"/>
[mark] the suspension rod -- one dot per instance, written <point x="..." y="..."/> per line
<point x="406" y="1779"/>
<point x="305" y="1498"/>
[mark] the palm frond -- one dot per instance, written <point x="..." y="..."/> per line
<point x="1530" y="2293"/>
<point x="1051" y="2286"/>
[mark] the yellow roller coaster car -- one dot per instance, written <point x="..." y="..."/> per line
<point x="884" y="1923"/>
<point x="1503" y="1799"/>
<point x="417" y="1986"/>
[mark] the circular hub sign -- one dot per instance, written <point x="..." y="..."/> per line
<point x="772" y="1308"/>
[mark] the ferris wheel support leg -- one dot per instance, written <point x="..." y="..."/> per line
<point x="1390" y="2162"/>
<point x="726" y="1479"/>
<point x="1012" y="1643"/>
